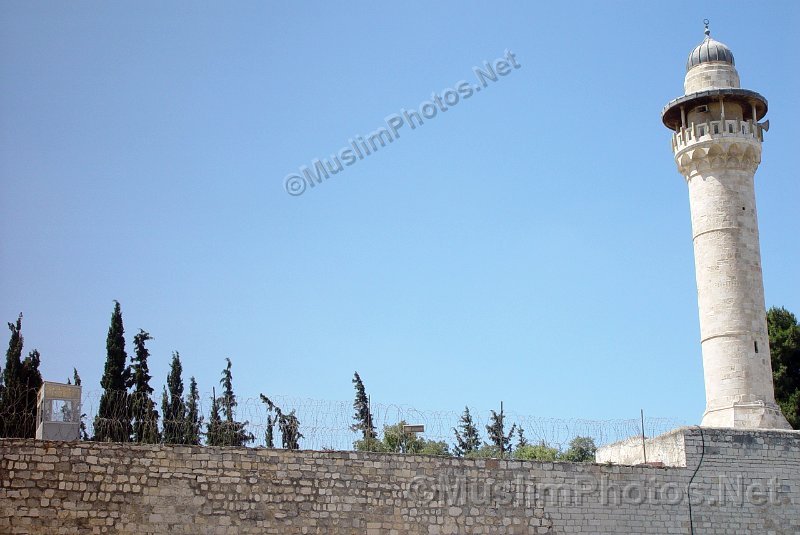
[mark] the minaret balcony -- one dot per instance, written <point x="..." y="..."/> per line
<point x="713" y="130"/>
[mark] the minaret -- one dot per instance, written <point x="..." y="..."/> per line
<point x="717" y="146"/>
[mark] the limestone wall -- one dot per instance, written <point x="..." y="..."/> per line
<point x="668" y="449"/>
<point x="748" y="482"/>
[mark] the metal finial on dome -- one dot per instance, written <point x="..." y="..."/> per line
<point x="707" y="31"/>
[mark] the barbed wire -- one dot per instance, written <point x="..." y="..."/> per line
<point x="324" y="424"/>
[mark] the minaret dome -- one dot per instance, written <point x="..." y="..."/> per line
<point x="710" y="66"/>
<point x="709" y="50"/>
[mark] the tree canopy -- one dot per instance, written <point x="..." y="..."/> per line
<point x="227" y="431"/>
<point x="172" y="404"/>
<point x="143" y="411"/>
<point x="468" y="439"/>
<point x="288" y="424"/>
<point x="363" y="415"/>
<point x="19" y="386"/>
<point x="194" y="420"/>
<point x="396" y="439"/>
<point x="784" y="344"/>
<point x="113" y="420"/>
<point x="496" y="432"/>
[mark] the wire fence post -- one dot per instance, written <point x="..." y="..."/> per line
<point x="644" y="447"/>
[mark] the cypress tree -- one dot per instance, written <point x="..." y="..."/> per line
<point x="228" y="397"/>
<point x="172" y="405"/>
<point x="14" y="353"/>
<point x="363" y="415"/>
<point x="164" y="407"/>
<point x="269" y="434"/>
<point x="194" y="420"/>
<point x="467" y="439"/>
<point x="31" y="381"/>
<point x="288" y="424"/>
<point x="234" y="433"/>
<point x="214" y="433"/>
<point x="113" y="420"/>
<point x="143" y="409"/>
<point x="21" y="382"/>
<point x="496" y="432"/>
<point x="11" y="394"/>
<point x="521" y="440"/>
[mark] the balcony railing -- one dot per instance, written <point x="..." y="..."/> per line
<point x="708" y="130"/>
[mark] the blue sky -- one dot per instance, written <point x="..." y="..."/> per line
<point x="531" y="244"/>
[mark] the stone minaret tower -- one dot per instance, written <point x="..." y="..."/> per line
<point x="717" y="146"/>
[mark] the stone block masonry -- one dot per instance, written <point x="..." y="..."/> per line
<point x="717" y="141"/>
<point x="747" y="482"/>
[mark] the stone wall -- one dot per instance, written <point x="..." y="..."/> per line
<point x="748" y="482"/>
<point x="668" y="449"/>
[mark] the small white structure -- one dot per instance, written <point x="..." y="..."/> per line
<point x="58" y="412"/>
<point x="716" y="142"/>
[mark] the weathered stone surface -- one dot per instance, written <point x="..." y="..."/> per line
<point x="748" y="482"/>
<point x="717" y="148"/>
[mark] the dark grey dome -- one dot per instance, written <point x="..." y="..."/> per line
<point x="709" y="50"/>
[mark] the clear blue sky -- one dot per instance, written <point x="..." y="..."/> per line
<point x="531" y="244"/>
